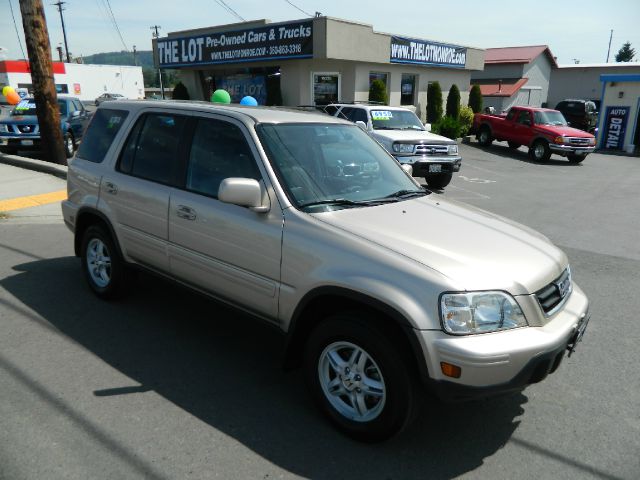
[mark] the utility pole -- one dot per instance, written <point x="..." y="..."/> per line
<point x="59" y="49"/>
<point x="36" y="37"/>
<point x="64" y="32"/>
<point x="135" y="60"/>
<point x="609" y="49"/>
<point x="155" y="35"/>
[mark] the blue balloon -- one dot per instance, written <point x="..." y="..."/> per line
<point x="249" y="101"/>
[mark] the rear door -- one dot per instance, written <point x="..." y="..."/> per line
<point x="137" y="191"/>
<point x="230" y="251"/>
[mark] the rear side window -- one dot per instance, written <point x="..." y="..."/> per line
<point x="103" y="129"/>
<point x="151" y="151"/>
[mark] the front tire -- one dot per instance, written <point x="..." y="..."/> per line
<point x="438" y="182"/>
<point x="358" y="378"/>
<point x="540" y="151"/>
<point x="576" y="157"/>
<point x="484" y="136"/>
<point x="102" y="265"/>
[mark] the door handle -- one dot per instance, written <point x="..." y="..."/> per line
<point x="111" y="188"/>
<point x="185" y="212"/>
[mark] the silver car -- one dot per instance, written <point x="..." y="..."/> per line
<point x="380" y="286"/>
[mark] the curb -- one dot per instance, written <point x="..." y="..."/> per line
<point x="36" y="165"/>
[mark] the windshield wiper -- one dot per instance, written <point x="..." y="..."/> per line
<point x="406" y="194"/>
<point x="340" y="202"/>
<point x="384" y="128"/>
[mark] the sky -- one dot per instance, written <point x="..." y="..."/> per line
<point x="575" y="31"/>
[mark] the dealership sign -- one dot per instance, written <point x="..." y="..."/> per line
<point x="279" y="41"/>
<point x="422" y="52"/>
<point x="614" y="128"/>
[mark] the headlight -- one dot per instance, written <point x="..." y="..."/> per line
<point x="592" y="141"/>
<point x="559" y="140"/>
<point x="4" y="128"/>
<point x="453" y="149"/>
<point x="403" y="148"/>
<point x="480" y="312"/>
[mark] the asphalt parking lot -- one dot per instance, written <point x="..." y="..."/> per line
<point x="167" y="384"/>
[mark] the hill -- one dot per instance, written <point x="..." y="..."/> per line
<point x="144" y="59"/>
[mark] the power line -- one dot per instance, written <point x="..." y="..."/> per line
<point x="16" y="27"/>
<point x="115" y="24"/>
<point x="224" y="5"/>
<point x="106" y="17"/>
<point x="298" y="8"/>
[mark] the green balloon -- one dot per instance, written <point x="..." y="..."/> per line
<point x="221" y="96"/>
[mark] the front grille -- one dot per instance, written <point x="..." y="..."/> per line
<point x="554" y="294"/>
<point x="26" y="128"/>
<point x="577" y="141"/>
<point x="432" y="150"/>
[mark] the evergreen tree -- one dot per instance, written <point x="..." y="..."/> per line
<point x="453" y="102"/>
<point x="626" y="53"/>
<point x="378" y="92"/>
<point x="180" y="92"/>
<point x="434" y="102"/>
<point x="475" y="99"/>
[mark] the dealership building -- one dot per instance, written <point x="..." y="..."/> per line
<point x="313" y="62"/>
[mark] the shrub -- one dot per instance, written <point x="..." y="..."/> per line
<point x="434" y="103"/>
<point x="378" y="92"/>
<point x="453" y="102"/>
<point x="475" y="99"/>
<point x="465" y="119"/>
<point x="180" y="92"/>
<point x="447" y="127"/>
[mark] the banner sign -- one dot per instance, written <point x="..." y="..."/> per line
<point x="614" y="128"/>
<point x="422" y="52"/>
<point x="280" y="41"/>
<point x="240" y="86"/>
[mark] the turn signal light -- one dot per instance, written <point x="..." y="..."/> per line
<point x="450" y="370"/>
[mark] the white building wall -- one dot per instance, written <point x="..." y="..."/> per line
<point x="539" y="74"/>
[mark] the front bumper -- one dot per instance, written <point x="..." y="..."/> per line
<point x="422" y="164"/>
<point x="500" y="362"/>
<point x="567" y="149"/>
<point x="22" y="142"/>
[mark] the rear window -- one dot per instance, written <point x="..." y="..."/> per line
<point x="102" y="130"/>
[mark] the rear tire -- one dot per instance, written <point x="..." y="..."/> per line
<point x="358" y="378"/>
<point x="540" y="151"/>
<point x="102" y="265"/>
<point x="438" y="182"/>
<point x="484" y="136"/>
<point x="576" y="158"/>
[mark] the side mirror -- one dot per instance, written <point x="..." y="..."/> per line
<point x="362" y="125"/>
<point x="244" y="192"/>
<point x="76" y="114"/>
<point x="407" y="168"/>
<point x="427" y="126"/>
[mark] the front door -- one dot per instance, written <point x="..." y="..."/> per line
<point x="230" y="251"/>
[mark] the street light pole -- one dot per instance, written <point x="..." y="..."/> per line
<point x="155" y="35"/>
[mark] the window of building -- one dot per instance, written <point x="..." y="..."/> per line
<point x="383" y="77"/>
<point x="151" y="151"/>
<point x="326" y="88"/>
<point x="103" y="128"/>
<point x="219" y="150"/>
<point x="408" y="89"/>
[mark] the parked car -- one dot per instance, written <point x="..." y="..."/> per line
<point x="404" y="136"/>
<point x="542" y="130"/>
<point x="20" y="131"/>
<point x="380" y="286"/>
<point x="109" y="96"/>
<point x="580" y="114"/>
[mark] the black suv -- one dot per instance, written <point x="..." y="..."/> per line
<point x="580" y="114"/>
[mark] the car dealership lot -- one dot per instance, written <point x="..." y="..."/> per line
<point x="139" y="389"/>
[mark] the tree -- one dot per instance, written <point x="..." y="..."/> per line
<point x="180" y="92"/>
<point x="626" y="53"/>
<point x="475" y="99"/>
<point x="378" y="92"/>
<point x="434" y="102"/>
<point x="453" y="102"/>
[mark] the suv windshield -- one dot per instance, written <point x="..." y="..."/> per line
<point x="28" y="107"/>
<point x="549" y="118"/>
<point x="326" y="167"/>
<point x="395" y="120"/>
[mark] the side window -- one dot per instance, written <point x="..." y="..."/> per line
<point x="103" y="128"/>
<point x="524" y="117"/>
<point x="331" y="110"/>
<point x="151" y="151"/>
<point x="511" y="115"/>
<point x="360" y="114"/>
<point x="347" y="113"/>
<point x="219" y="150"/>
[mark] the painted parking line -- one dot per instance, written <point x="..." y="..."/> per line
<point x="32" y="201"/>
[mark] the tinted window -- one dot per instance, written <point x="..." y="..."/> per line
<point x="331" y="110"/>
<point x="218" y="151"/>
<point x="359" y="115"/>
<point x="346" y="112"/>
<point x="511" y="115"/>
<point x="151" y="151"/>
<point x="103" y="128"/>
<point x="524" y="117"/>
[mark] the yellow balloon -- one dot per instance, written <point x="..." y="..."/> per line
<point x="7" y="90"/>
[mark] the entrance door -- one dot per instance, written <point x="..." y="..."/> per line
<point x="326" y="88"/>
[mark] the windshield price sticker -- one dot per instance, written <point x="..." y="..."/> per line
<point x="25" y="105"/>
<point x="381" y="115"/>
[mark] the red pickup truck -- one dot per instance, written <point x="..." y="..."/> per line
<point x="542" y="130"/>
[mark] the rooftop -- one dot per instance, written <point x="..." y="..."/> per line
<point x="517" y="54"/>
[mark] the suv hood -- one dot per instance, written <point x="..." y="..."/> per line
<point x="417" y="136"/>
<point x="475" y="249"/>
